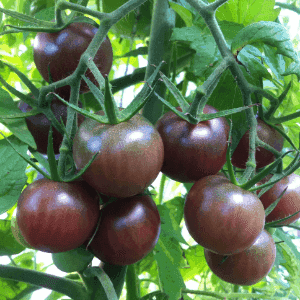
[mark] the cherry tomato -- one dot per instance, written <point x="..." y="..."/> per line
<point x="288" y="204"/>
<point x="221" y="216"/>
<point x="130" y="155"/>
<point x="193" y="151"/>
<point x="247" y="267"/>
<point x="39" y="125"/>
<point x="57" y="216"/>
<point x="263" y="157"/>
<point x="61" y="51"/>
<point x="128" y="230"/>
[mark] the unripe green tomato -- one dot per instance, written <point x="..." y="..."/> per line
<point x="17" y="234"/>
<point x="141" y="17"/>
<point x="72" y="261"/>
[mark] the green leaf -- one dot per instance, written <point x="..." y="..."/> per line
<point x="169" y="225"/>
<point x="73" y="260"/>
<point x="196" y="262"/>
<point x="291" y="264"/>
<point x="8" y="243"/>
<point x="169" y="274"/>
<point x="104" y="280"/>
<point x="17" y="126"/>
<point x="12" y="172"/>
<point x="176" y="206"/>
<point x="270" y="33"/>
<point x="253" y="64"/>
<point x="183" y="12"/>
<point x="247" y="11"/>
<point x="286" y="238"/>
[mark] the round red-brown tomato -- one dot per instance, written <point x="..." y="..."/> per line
<point x="57" y="216"/>
<point x="223" y="217"/>
<point x="263" y="157"/>
<point x="193" y="151"/>
<point x="130" y="155"/>
<point x="247" y="267"/>
<point x="128" y="230"/>
<point x="61" y="52"/>
<point x="39" y="125"/>
<point x="288" y="204"/>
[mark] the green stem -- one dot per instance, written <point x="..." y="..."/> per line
<point x="163" y="21"/>
<point x="161" y="188"/>
<point x="61" y="285"/>
<point x="132" y="284"/>
<point x="288" y="6"/>
<point x="208" y="14"/>
<point x="12" y="261"/>
<point x="204" y="293"/>
<point x="285" y="118"/>
<point x="207" y="88"/>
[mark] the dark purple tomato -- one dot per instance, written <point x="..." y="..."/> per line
<point x="247" y="267"/>
<point x="193" y="151"/>
<point x="263" y="157"/>
<point x="288" y="204"/>
<point x="128" y="230"/>
<point x="61" y="51"/>
<point x="39" y="125"/>
<point x="130" y="155"/>
<point x="221" y="216"/>
<point x="57" y="216"/>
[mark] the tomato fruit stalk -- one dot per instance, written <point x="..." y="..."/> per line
<point x="263" y="157"/>
<point x="193" y="151"/>
<point x="57" y="216"/>
<point x="247" y="267"/>
<point x="130" y="155"/>
<point x="221" y="216"/>
<point x="128" y="230"/>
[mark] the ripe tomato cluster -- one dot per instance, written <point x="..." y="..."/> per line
<point x="222" y="217"/>
<point x="229" y="223"/>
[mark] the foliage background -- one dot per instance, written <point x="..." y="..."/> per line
<point x="16" y="49"/>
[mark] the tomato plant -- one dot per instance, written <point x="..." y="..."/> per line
<point x="223" y="217"/>
<point x="130" y="155"/>
<point x="247" y="267"/>
<point x="288" y="204"/>
<point x="198" y="150"/>
<point x="263" y="157"/>
<point x="39" y="125"/>
<point x="128" y="230"/>
<point x="57" y="216"/>
<point x="200" y="57"/>
<point x="54" y="50"/>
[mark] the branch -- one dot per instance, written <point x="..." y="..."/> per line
<point x="61" y="285"/>
<point x="288" y="6"/>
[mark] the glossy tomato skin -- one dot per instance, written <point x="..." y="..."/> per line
<point x="39" y="125"/>
<point x="221" y="216"/>
<point x="247" y="267"/>
<point x="263" y="157"/>
<point x="128" y="230"/>
<point x="130" y="155"/>
<point x="57" y="216"/>
<point x="61" y="51"/>
<point x="193" y="151"/>
<point x="288" y="204"/>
